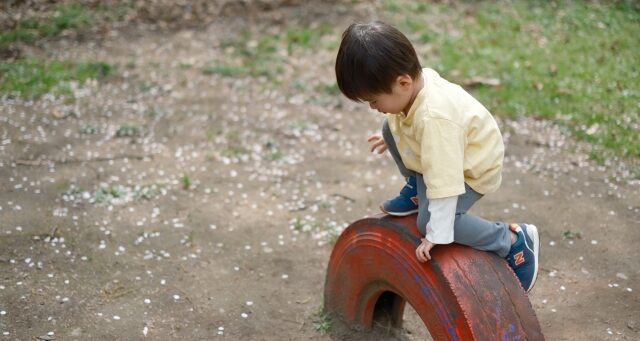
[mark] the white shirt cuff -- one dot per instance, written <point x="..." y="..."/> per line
<point x="443" y="215"/>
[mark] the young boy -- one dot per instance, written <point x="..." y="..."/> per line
<point x="443" y="141"/>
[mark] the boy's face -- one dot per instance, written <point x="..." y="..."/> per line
<point x="396" y="101"/>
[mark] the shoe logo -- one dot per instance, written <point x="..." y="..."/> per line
<point x="519" y="258"/>
<point x="415" y="200"/>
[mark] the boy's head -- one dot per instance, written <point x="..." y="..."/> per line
<point x="371" y="60"/>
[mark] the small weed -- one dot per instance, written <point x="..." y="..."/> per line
<point x="299" y="84"/>
<point x="89" y="129"/>
<point x="186" y="182"/>
<point x="333" y="237"/>
<point x="155" y="112"/>
<point x="106" y="194"/>
<point x="298" y="224"/>
<point x="117" y="194"/>
<point x="128" y="131"/>
<point x="145" y="192"/>
<point x="571" y="235"/>
<point x="233" y="151"/>
<point x="272" y="153"/>
<point x="322" y="321"/>
<point x="146" y="86"/>
<point x="234" y="137"/>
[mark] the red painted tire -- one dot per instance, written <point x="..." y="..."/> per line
<point x="461" y="294"/>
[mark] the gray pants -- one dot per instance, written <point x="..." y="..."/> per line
<point x="468" y="229"/>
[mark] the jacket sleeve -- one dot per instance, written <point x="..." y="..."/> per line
<point x="442" y="158"/>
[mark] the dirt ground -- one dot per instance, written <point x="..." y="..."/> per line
<point x="218" y="213"/>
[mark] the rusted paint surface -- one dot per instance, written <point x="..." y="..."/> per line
<point x="461" y="294"/>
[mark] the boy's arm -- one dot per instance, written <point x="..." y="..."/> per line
<point x="443" y="215"/>
<point x="440" y="226"/>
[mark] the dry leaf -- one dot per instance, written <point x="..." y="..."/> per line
<point x="593" y="129"/>
<point x="476" y="81"/>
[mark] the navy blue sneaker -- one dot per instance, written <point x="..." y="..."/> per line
<point x="523" y="256"/>
<point x="404" y="204"/>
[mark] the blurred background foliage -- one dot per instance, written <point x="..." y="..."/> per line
<point x="573" y="62"/>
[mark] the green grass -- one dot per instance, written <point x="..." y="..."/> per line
<point x="186" y="182"/>
<point x="29" y="29"/>
<point x="265" y="55"/>
<point x="322" y="321"/>
<point x="128" y="130"/>
<point x="33" y="77"/>
<point x="569" y="61"/>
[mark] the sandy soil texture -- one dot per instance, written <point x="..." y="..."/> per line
<point x="168" y="203"/>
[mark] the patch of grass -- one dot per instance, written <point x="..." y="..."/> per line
<point x="298" y="224"/>
<point x="116" y="12"/>
<point x="233" y="151"/>
<point x="273" y="155"/>
<point x="303" y="38"/>
<point x="89" y="129"/>
<point x="392" y="5"/>
<point x="106" y="194"/>
<point x="571" y="235"/>
<point x="128" y="131"/>
<point x="155" y="112"/>
<point x="29" y="29"/>
<point x="146" y="192"/>
<point x="329" y="89"/>
<point x="322" y="321"/>
<point x="33" y="77"/>
<point x="265" y="55"/>
<point x="225" y="70"/>
<point x="146" y="86"/>
<point x="569" y="61"/>
<point x="186" y="182"/>
<point x="272" y="152"/>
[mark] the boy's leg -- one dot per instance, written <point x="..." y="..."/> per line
<point x="479" y="233"/>
<point x="468" y="229"/>
<point x="423" y="205"/>
<point x="406" y="202"/>
<point x="522" y="256"/>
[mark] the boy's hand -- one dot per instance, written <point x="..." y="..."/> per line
<point x="422" y="252"/>
<point x="377" y="143"/>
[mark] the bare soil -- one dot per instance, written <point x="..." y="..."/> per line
<point x="247" y="183"/>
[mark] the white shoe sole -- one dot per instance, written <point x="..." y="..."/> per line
<point x="532" y="232"/>
<point x="398" y="214"/>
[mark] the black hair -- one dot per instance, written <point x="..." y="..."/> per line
<point x="371" y="57"/>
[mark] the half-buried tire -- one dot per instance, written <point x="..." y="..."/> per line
<point x="461" y="294"/>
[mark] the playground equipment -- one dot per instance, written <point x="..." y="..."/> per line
<point x="460" y="294"/>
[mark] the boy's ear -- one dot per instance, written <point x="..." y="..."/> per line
<point x="404" y="80"/>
